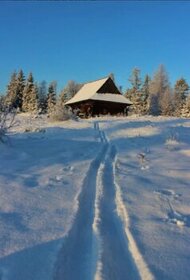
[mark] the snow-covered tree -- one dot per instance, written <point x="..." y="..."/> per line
<point x="70" y="90"/>
<point x="181" y="90"/>
<point x="34" y="99"/>
<point x="135" y="79"/>
<point x="20" y="89"/>
<point x="11" y="98"/>
<point x="158" y="86"/>
<point x="61" y="112"/>
<point x="51" y="97"/>
<point x="134" y="94"/>
<point x="185" y="111"/>
<point x="30" y="95"/>
<point x="62" y="98"/>
<point x="166" y="103"/>
<point x="2" y="102"/>
<point x="15" y="89"/>
<point x="7" y="116"/>
<point x="145" y="93"/>
<point x="42" y="96"/>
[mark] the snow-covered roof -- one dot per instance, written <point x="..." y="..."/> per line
<point x="111" y="97"/>
<point x="89" y="91"/>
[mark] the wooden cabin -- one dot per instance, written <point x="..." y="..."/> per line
<point x="100" y="97"/>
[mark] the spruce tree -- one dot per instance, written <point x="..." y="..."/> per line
<point x="145" y="93"/>
<point x="42" y="95"/>
<point x="181" y="89"/>
<point x="10" y="98"/>
<point x="15" y="89"/>
<point x="185" y="111"/>
<point x="51" y="97"/>
<point x="33" y="106"/>
<point x="134" y="93"/>
<point x="20" y="89"/>
<point x="30" y="95"/>
<point x="135" y="78"/>
<point x="2" y="102"/>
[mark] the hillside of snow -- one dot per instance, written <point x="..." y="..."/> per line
<point x="103" y="198"/>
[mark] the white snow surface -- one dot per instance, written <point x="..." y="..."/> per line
<point x="103" y="198"/>
<point x="111" y="97"/>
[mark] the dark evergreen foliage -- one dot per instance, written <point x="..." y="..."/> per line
<point x="51" y="97"/>
<point x="42" y="97"/>
<point x="181" y="90"/>
<point x="11" y="91"/>
<point x="30" y="96"/>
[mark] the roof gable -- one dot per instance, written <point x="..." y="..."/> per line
<point x="109" y="86"/>
<point x="87" y="91"/>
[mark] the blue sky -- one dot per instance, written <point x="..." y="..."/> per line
<point x="84" y="41"/>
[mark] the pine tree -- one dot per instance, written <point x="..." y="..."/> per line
<point x="10" y="98"/>
<point x="30" y="95"/>
<point x="51" y="97"/>
<point x="181" y="89"/>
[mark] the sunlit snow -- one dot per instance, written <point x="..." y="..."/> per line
<point x="103" y="198"/>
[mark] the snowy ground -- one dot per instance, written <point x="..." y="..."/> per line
<point x="104" y="198"/>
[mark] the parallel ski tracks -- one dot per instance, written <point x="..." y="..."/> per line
<point x="97" y="246"/>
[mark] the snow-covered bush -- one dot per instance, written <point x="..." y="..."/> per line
<point x="61" y="113"/>
<point x="173" y="137"/>
<point x="172" y="141"/>
<point x="7" y="120"/>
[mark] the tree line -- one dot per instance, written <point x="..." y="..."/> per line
<point x="153" y="96"/>
<point x="26" y="95"/>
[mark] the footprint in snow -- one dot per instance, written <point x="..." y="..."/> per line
<point x="178" y="219"/>
<point x="146" y="167"/>
<point x="168" y="193"/>
<point x="173" y="216"/>
<point x="61" y="179"/>
<point x="67" y="168"/>
<point x="57" y="180"/>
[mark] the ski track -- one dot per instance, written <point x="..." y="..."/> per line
<point x="99" y="245"/>
<point x="141" y="266"/>
<point x="78" y="248"/>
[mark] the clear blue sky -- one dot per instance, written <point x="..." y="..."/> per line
<point x="88" y="40"/>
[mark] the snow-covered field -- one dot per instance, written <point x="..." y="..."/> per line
<point x="105" y="198"/>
